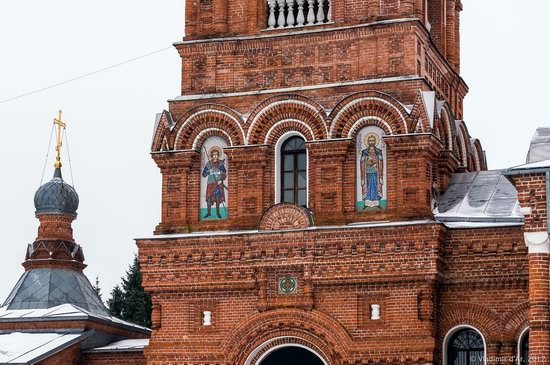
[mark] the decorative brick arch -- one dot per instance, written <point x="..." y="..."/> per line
<point x="368" y="108"/>
<point x="313" y="329"/>
<point x="447" y="129"/>
<point x="164" y="126"/>
<point x="483" y="319"/>
<point x="463" y="142"/>
<point x="284" y="341"/>
<point x="280" y="114"/>
<point x="515" y="322"/>
<point x="477" y="150"/>
<point x="286" y="216"/>
<point x="199" y="123"/>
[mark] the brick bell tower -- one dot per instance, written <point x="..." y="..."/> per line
<point x="300" y="166"/>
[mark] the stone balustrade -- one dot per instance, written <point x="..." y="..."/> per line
<point x="297" y="13"/>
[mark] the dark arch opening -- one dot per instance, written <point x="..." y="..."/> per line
<point x="466" y="348"/>
<point x="292" y="355"/>
<point x="524" y="349"/>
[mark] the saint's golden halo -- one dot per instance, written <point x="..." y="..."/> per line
<point x="369" y="135"/>
<point x="215" y="148"/>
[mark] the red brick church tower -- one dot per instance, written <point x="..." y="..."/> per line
<point x="322" y="199"/>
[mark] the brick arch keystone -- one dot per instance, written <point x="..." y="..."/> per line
<point x="482" y="318"/>
<point x="286" y="216"/>
<point x="193" y="127"/>
<point x="314" y="327"/>
<point x="283" y="111"/>
<point x="368" y="108"/>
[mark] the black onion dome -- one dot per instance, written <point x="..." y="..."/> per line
<point x="56" y="196"/>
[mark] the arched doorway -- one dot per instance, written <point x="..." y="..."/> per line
<point x="291" y="355"/>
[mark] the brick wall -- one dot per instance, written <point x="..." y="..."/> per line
<point x="114" y="358"/>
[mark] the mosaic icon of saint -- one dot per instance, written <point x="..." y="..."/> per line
<point x="215" y="173"/>
<point x="372" y="171"/>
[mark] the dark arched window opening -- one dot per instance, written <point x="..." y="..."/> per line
<point x="294" y="171"/>
<point x="292" y="355"/>
<point x="524" y="349"/>
<point x="466" y="348"/>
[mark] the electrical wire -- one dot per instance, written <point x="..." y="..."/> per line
<point x="85" y="75"/>
<point x="47" y="155"/>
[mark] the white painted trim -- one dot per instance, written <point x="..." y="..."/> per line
<point x="537" y="242"/>
<point x="277" y="175"/>
<point x="289" y="120"/>
<point x="520" y="339"/>
<point x="297" y="88"/>
<point x="196" y="141"/>
<point x="250" y="357"/>
<point x="360" y="100"/>
<point x="277" y="35"/>
<point x="314" y="228"/>
<point x="354" y="126"/>
<point x="455" y="329"/>
<point x="203" y="112"/>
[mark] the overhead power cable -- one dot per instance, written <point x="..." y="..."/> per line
<point x="85" y="75"/>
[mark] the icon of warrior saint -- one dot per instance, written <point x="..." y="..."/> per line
<point x="216" y="173"/>
<point x="372" y="172"/>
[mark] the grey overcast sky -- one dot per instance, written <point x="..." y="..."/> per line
<point x="110" y="115"/>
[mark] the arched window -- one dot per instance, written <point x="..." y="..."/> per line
<point x="524" y="348"/>
<point x="465" y="347"/>
<point x="293" y="174"/>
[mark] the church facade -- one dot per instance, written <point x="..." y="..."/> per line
<point x="324" y="203"/>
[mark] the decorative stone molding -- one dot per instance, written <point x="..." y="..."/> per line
<point x="537" y="242"/>
<point x="286" y="216"/>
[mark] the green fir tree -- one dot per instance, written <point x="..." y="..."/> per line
<point x="130" y="302"/>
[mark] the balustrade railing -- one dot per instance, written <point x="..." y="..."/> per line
<point x="297" y="13"/>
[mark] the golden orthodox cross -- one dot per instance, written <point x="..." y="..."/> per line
<point x="60" y="125"/>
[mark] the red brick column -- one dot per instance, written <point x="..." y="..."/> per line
<point x="175" y="169"/>
<point x="531" y="189"/>
<point x="326" y="181"/>
<point x="246" y="183"/>
<point x="539" y="291"/>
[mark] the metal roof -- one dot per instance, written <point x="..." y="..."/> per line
<point x="540" y="146"/>
<point x="483" y="197"/>
<point x="30" y="348"/>
<point x="44" y="288"/>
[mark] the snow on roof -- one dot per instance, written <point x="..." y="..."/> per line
<point x="530" y="166"/>
<point x="29" y="348"/>
<point x="124" y="345"/>
<point x="479" y="197"/>
<point x="62" y="312"/>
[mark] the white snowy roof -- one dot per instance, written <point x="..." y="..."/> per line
<point x="485" y="198"/>
<point x="543" y="164"/>
<point x="61" y="312"/>
<point x="29" y="348"/>
<point x="124" y="345"/>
